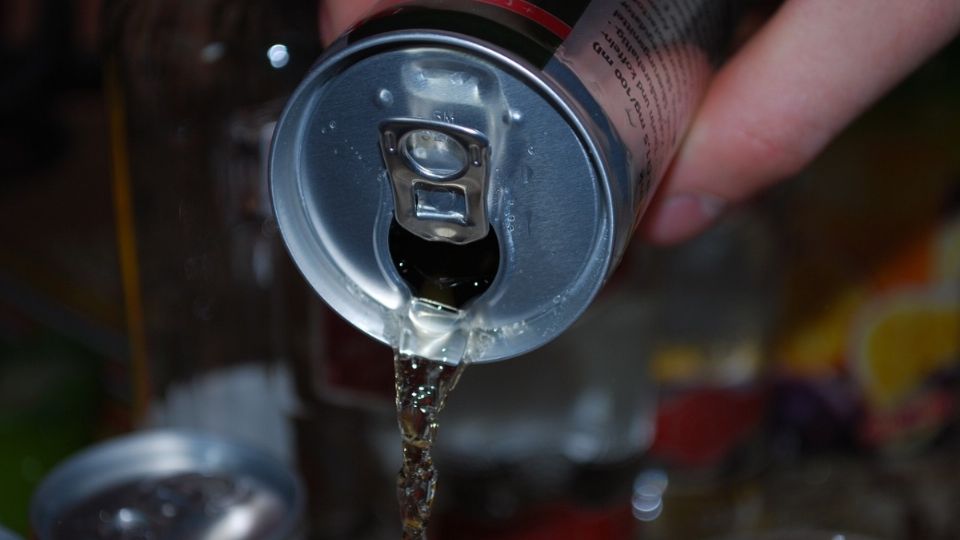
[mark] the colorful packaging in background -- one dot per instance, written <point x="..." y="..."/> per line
<point x="876" y="365"/>
<point x="868" y="348"/>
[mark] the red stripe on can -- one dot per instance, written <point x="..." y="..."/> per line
<point x="525" y="9"/>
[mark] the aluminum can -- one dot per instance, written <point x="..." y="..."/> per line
<point x="168" y="485"/>
<point x="535" y="129"/>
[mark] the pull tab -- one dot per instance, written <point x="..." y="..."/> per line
<point x="439" y="177"/>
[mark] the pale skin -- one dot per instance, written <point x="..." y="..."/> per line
<point x="794" y="85"/>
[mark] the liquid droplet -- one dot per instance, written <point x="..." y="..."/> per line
<point x="384" y="98"/>
<point x="530" y="150"/>
<point x="332" y="125"/>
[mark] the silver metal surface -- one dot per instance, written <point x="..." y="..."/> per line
<point x="168" y="485"/>
<point x="547" y="196"/>
<point x="439" y="173"/>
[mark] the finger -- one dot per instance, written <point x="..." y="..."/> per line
<point x="779" y="101"/>
<point x="336" y="16"/>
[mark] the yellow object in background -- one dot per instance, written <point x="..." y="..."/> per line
<point x="816" y="347"/>
<point x="905" y="339"/>
<point x="910" y="330"/>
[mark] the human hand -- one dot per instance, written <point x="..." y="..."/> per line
<point x="812" y="68"/>
<point x="796" y="83"/>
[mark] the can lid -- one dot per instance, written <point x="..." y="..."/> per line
<point x="167" y="485"/>
<point x="543" y="192"/>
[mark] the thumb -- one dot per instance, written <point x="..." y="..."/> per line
<point x="814" y="67"/>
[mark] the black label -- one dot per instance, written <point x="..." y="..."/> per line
<point x="568" y="11"/>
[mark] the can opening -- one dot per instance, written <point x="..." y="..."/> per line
<point x="442" y="272"/>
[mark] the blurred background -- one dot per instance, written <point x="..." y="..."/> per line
<point x="794" y="369"/>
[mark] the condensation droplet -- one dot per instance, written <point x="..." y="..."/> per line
<point x="530" y="150"/>
<point x="168" y="510"/>
<point x="384" y="98"/>
<point x="332" y="125"/>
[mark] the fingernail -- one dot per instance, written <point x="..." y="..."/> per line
<point x="680" y="217"/>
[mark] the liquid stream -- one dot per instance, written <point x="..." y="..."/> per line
<point x="435" y="342"/>
<point x="422" y="388"/>
<point x="433" y="349"/>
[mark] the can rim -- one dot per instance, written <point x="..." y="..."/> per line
<point x="153" y="452"/>
<point x="293" y="220"/>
